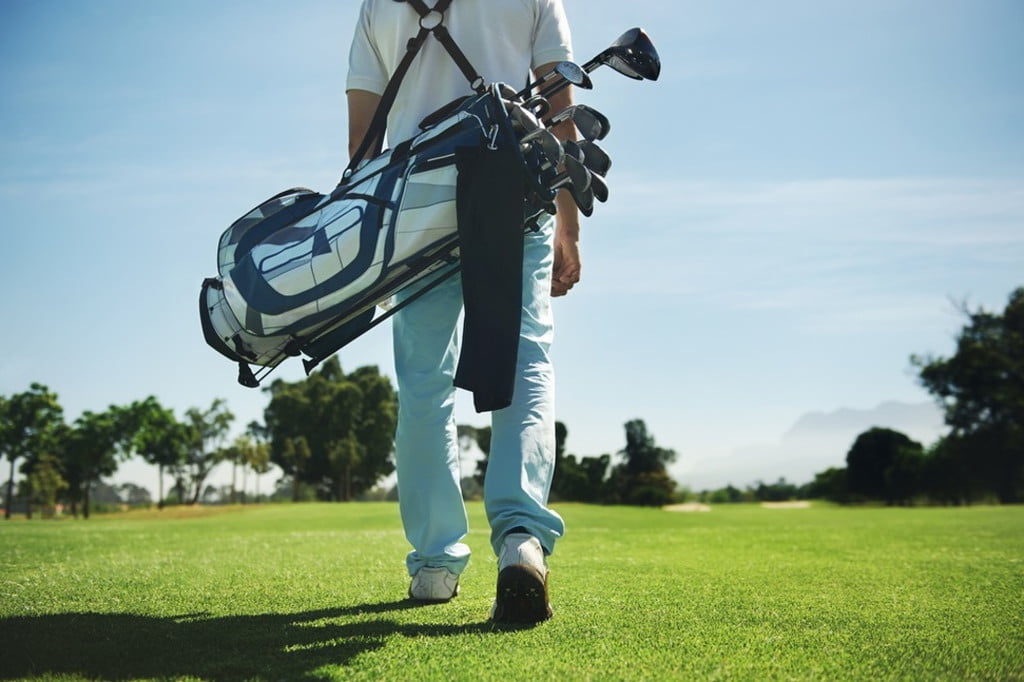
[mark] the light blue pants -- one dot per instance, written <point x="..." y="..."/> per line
<point x="522" y="455"/>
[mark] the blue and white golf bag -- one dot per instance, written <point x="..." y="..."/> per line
<point x="302" y="272"/>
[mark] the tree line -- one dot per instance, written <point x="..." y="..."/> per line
<point x="981" y="391"/>
<point x="332" y="436"/>
<point x="64" y="463"/>
<point x="331" y="430"/>
<point x="637" y="475"/>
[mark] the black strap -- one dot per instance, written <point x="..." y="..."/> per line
<point x="445" y="38"/>
<point x="375" y="132"/>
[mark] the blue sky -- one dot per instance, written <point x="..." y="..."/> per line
<point x="796" y="206"/>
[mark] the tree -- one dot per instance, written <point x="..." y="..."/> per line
<point x="134" y="495"/>
<point x="249" y="452"/>
<point x="45" y="481"/>
<point x="642" y="478"/>
<point x="468" y="435"/>
<point x="345" y="423"/>
<point x="578" y="480"/>
<point x="29" y="422"/>
<point x="93" y="448"/>
<point x="872" y="459"/>
<point x="259" y="456"/>
<point x="981" y="389"/>
<point x="947" y="474"/>
<point x="160" y="439"/>
<point x="293" y="459"/>
<point x="780" y="491"/>
<point x="585" y="480"/>
<point x="829" y="484"/>
<point x="206" y="431"/>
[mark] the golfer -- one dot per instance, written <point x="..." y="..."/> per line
<point x="504" y="40"/>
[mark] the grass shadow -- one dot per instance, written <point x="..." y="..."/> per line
<point x="288" y="646"/>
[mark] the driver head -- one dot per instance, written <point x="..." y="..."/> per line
<point x="634" y="55"/>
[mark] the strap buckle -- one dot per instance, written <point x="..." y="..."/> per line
<point x="431" y="20"/>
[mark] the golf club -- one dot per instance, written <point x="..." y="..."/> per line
<point x="599" y="186"/>
<point x="580" y="79"/>
<point x="595" y="158"/>
<point x="632" y="54"/>
<point x="538" y="106"/>
<point x="523" y="120"/>
<point x="576" y="179"/>
<point x="572" y="148"/>
<point x="548" y="143"/>
<point x="571" y="73"/>
<point x="596" y="181"/>
<point x="592" y="124"/>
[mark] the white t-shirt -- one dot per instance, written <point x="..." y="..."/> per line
<point x="503" y="40"/>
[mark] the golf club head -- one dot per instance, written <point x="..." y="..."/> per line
<point x="599" y="186"/>
<point x="595" y="158"/>
<point x="506" y="92"/>
<point x="572" y="74"/>
<point x="578" y="174"/>
<point x="523" y="120"/>
<point x="576" y="179"/>
<point x="592" y="124"/>
<point x="584" y="199"/>
<point x="548" y="144"/>
<point x="538" y="106"/>
<point x="632" y="54"/>
<point x="572" y="148"/>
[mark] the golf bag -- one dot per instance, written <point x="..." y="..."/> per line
<point x="303" y="272"/>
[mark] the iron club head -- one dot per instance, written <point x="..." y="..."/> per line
<point x="592" y="124"/>
<point x="595" y="158"/>
<point x="599" y="186"/>
<point x="548" y="144"/>
<point x="576" y="180"/>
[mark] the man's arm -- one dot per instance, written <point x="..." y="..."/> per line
<point x="566" y="272"/>
<point x="361" y="106"/>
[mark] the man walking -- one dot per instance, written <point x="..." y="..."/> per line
<point x="504" y="40"/>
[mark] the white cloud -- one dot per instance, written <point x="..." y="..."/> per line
<point x="840" y="253"/>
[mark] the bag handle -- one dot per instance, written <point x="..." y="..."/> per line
<point x="431" y="21"/>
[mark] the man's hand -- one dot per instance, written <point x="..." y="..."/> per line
<point x="566" y="272"/>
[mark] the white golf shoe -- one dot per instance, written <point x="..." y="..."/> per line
<point x="522" y="581"/>
<point x="434" y="585"/>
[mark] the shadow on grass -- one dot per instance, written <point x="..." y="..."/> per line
<point x="287" y="646"/>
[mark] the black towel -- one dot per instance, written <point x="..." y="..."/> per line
<point x="489" y="201"/>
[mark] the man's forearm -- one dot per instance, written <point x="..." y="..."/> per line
<point x="362" y="104"/>
<point x="568" y="216"/>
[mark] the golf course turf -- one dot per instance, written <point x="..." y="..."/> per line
<point x="318" y="591"/>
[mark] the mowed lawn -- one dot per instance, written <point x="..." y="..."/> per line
<point x="290" y="592"/>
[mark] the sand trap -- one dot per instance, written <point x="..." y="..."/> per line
<point x="687" y="507"/>
<point x="795" y="504"/>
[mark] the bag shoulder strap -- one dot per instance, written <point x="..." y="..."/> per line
<point x="445" y="38"/>
<point x="431" y="21"/>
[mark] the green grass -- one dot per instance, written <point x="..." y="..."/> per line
<point x="317" y="592"/>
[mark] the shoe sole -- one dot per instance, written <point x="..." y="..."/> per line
<point x="522" y="596"/>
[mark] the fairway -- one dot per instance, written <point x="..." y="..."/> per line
<point x="317" y="591"/>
